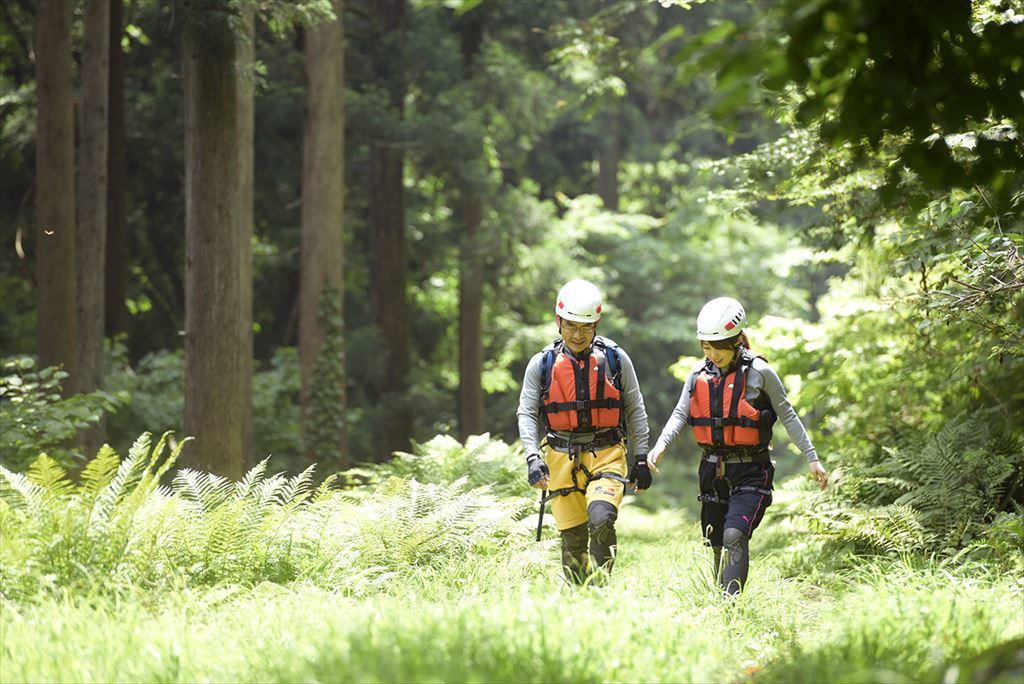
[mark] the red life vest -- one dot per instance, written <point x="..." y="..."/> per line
<point x="581" y="395"/>
<point x="720" y="413"/>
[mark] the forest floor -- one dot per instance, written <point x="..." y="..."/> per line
<point x="507" y="616"/>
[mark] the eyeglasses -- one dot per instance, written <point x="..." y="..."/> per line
<point x="574" y="328"/>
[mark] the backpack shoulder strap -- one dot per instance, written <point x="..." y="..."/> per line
<point x="547" y="362"/>
<point x="611" y="353"/>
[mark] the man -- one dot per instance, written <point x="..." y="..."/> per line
<point x="582" y="391"/>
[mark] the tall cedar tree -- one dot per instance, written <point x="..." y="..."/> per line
<point x="90" y="246"/>
<point x="471" y="270"/>
<point x="116" y="272"/>
<point x="215" y="348"/>
<point x="387" y="239"/>
<point x="323" y="204"/>
<point x="246" y="170"/>
<point x="56" y="326"/>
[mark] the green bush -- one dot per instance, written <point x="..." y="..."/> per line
<point x="481" y="461"/>
<point x="35" y="417"/>
<point x="119" y="528"/>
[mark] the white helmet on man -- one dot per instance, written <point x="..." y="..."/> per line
<point x="579" y="301"/>
<point x="720" y="319"/>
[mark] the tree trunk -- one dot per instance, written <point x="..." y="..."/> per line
<point x="56" y="324"/>
<point x="608" y="160"/>
<point x="387" y="241"/>
<point x="116" y="275"/>
<point x="246" y="149"/>
<point x="90" y="245"/>
<point x="471" y="348"/>
<point x="214" y="344"/>
<point x="471" y="273"/>
<point x="322" y="361"/>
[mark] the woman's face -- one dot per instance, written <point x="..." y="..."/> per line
<point x="720" y="357"/>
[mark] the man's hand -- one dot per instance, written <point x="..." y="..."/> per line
<point x="640" y="474"/>
<point x="537" y="471"/>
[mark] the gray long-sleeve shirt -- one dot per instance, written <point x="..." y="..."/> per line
<point x="760" y="378"/>
<point x="531" y="425"/>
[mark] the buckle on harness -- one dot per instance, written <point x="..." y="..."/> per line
<point x="717" y="422"/>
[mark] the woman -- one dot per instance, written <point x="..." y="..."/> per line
<point x="731" y="400"/>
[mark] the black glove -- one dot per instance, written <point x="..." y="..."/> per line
<point x="537" y="469"/>
<point x="640" y="473"/>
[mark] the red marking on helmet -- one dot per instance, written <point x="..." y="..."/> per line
<point x="730" y="325"/>
<point x="598" y="308"/>
<point x="561" y="304"/>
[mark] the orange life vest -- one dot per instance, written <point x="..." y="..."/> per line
<point x="581" y="395"/>
<point x="720" y="413"/>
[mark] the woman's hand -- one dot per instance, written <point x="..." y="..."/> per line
<point x="818" y="473"/>
<point x="653" y="456"/>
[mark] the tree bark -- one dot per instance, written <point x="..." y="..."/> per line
<point x="471" y="348"/>
<point x="90" y="245"/>
<point x="608" y="159"/>
<point x="246" y="150"/>
<point x="214" y="344"/>
<point x="322" y="243"/>
<point x="471" y="272"/>
<point x="116" y="275"/>
<point x="56" y="324"/>
<point x="387" y="241"/>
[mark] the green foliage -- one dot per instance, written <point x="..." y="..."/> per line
<point x="502" y="615"/>
<point x="275" y="411"/>
<point x="873" y="74"/>
<point x="35" y="417"/>
<point x="89" y="536"/>
<point x="481" y="462"/>
<point x="119" y="528"/>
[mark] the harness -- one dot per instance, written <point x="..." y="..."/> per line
<point x="739" y="455"/>
<point x="573" y="451"/>
<point x="588" y="410"/>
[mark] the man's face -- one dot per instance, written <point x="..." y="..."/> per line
<point x="577" y="336"/>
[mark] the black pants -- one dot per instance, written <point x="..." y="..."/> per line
<point x="740" y="509"/>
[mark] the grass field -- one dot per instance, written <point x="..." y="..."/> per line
<point x="503" y="614"/>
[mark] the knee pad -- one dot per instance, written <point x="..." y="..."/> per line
<point x="602" y="517"/>
<point x="735" y="541"/>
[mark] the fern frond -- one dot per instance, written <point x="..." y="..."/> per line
<point x="18" y="491"/>
<point x="53" y="479"/>
<point x="255" y="475"/>
<point x="99" y="471"/>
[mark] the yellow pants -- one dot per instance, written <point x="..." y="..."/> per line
<point x="570" y="510"/>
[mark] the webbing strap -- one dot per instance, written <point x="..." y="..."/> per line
<point x="742" y="421"/>
<point x="755" y="455"/>
<point x="737" y="387"/>
<point x="582" y="405"/>
<point x="600" y="440"/>
<point x="748" y="488"/>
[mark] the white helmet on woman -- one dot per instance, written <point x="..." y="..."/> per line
<point x="721" y="319"/>
<point x="579" y="301"/>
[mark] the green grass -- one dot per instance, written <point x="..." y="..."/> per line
<point x="502" y="614"/>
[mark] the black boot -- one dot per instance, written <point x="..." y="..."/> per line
<point x="574" y="554"/>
